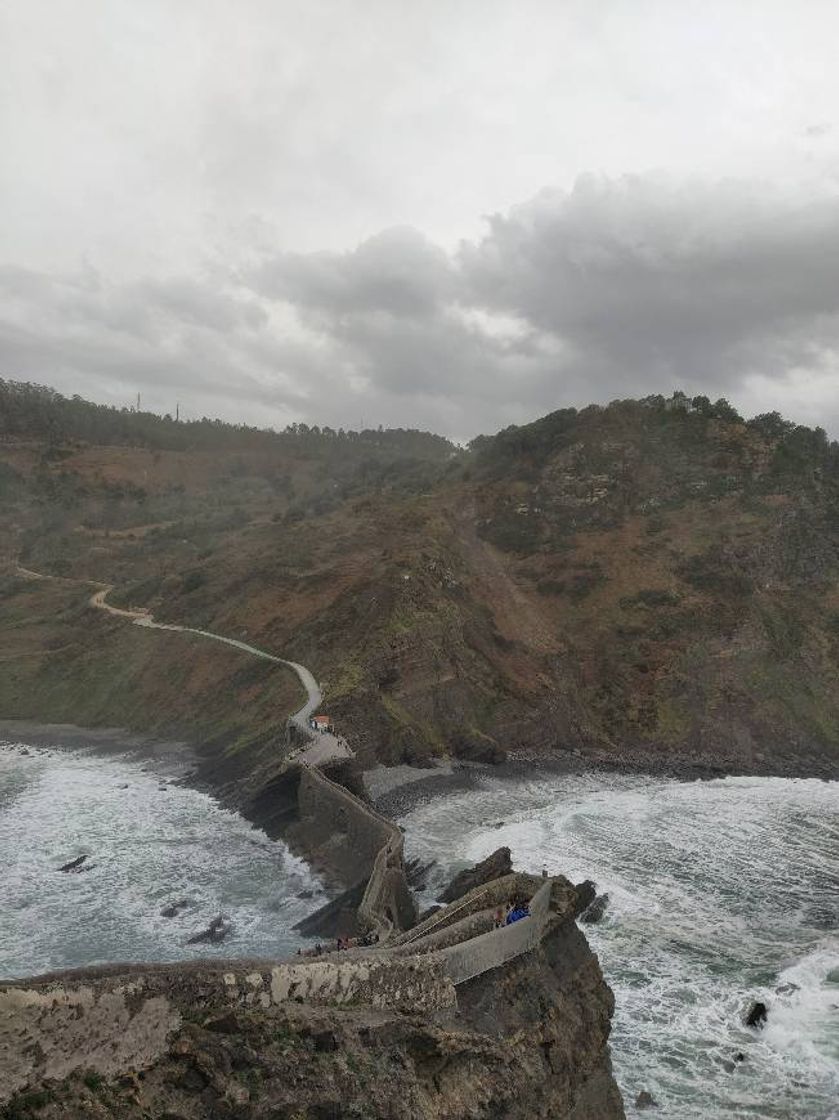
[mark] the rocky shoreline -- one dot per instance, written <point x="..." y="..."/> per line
<point x="173" y="755"/>
<point x="399" y="796"/>
<point x="396" y="790"/>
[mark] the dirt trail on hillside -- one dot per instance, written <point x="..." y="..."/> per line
<point x="325" y="747"/>
<point x="516" y="616"/>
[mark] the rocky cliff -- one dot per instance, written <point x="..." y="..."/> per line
<point x="654" y="583"/>
<point x="392" y="1042"/>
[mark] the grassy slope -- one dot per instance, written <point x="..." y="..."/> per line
<point x="66" y="662"/>
<point x="621" y="581"/>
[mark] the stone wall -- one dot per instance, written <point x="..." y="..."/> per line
<point x="115" y="1018"/>
<point x="343" y="834"/>
<point x="351" y="841"/>
<point x="453" y="922"/>
<point x="490" y="950"/>
<point x="111" y="1020"/>
<point x="388" y="905"/>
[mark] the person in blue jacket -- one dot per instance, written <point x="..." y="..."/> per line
<point x="519" y="910"/>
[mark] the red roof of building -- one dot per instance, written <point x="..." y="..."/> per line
<point x="321" y="719"/>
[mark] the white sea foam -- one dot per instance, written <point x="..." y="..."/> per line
<point x="721" y="893"/>
<point x="149" y="843"/>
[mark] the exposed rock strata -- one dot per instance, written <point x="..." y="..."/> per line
<point x="496" y="865"/>
<point x="525" y="1040"/>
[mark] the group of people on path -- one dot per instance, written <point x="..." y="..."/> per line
<point x="341" y="943"/>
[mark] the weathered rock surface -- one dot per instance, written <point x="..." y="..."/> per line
<point x="523" y="1040"/>
<point x="174" y="908"/>
<point x="216" y="931"/>
<point x="595" y="910"/>
<point x="74" y="865"/>
<point x="496" y="865"/>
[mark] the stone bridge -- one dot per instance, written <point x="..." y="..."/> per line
<point x="355" y="842"/>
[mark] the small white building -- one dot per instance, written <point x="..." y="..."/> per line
<point x="320" y="723"/>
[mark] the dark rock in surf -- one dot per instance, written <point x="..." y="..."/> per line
<point x="306" y="894"/>
<point x="417" y="873"/>
<point x="74" y="865"/>
<point x="174" y="908"/>
<point x="757" y="1014"/>
<point x="731" y="1066"/>
<point x="216" y="931"/>
<point x="788" y="989"/>
<point x="645" y="1100"/>
<point x="586" y="894"/>
<point x="495" y="866"/>
<point x="595" y="909"/>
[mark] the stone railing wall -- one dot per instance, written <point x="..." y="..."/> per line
<point x="489" y="950"/>
<point x="344" y="832"/>
<point x="490" y="897"/>
<point x="355" y="842"/>
<point x="117" y="1018"/>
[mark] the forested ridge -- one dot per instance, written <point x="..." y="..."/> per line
<point x="653" y="580"/>
<point x="36" y="411"/>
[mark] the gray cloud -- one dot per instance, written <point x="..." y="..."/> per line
<point x="616" y="287"/>
<point x="653" y="284"/>
<point x="613" y="288"/>
<point x="167" y="179"/>
<point x="397" y="272"/>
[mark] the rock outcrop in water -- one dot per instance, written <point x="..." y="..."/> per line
<point x="216" y="931"/>
<point x="757" y="1014"/>
<point x="174" y="908"/>
<point x="493" y="867"/>
<point x="595" y="910"/>
<point x="74" y="865"/>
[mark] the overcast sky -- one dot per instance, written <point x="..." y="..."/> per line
<point x="454" y="214"/>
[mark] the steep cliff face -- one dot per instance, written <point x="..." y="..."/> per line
<point x="547" y="1017"/>
<point x="655" y="583"/>
<point x="527" y="1040"/>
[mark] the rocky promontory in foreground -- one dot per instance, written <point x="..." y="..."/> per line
<point x="432" y="1027"/>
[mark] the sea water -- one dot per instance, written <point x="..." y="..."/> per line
<point x="149" y="843"/>
<point x="721" y="893"/>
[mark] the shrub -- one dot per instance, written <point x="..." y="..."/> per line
<point x="714" y="570"/>
<point x="650" y="597"/>
<point x="551" y="586"/>
<point x="192" y="581"/>
<point x="584" y="582"/>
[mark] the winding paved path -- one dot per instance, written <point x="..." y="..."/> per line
<point x="324" y="747"/>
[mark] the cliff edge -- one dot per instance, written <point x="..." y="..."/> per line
<point x="380" y="1035"/>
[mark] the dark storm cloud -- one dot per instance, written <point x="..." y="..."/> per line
<point x="398" y="272"/>
<point x="652" y="285"/>
<point x="613" y="288"/>
<point x="395" y="313"/>
<point x="166" y="339"/>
